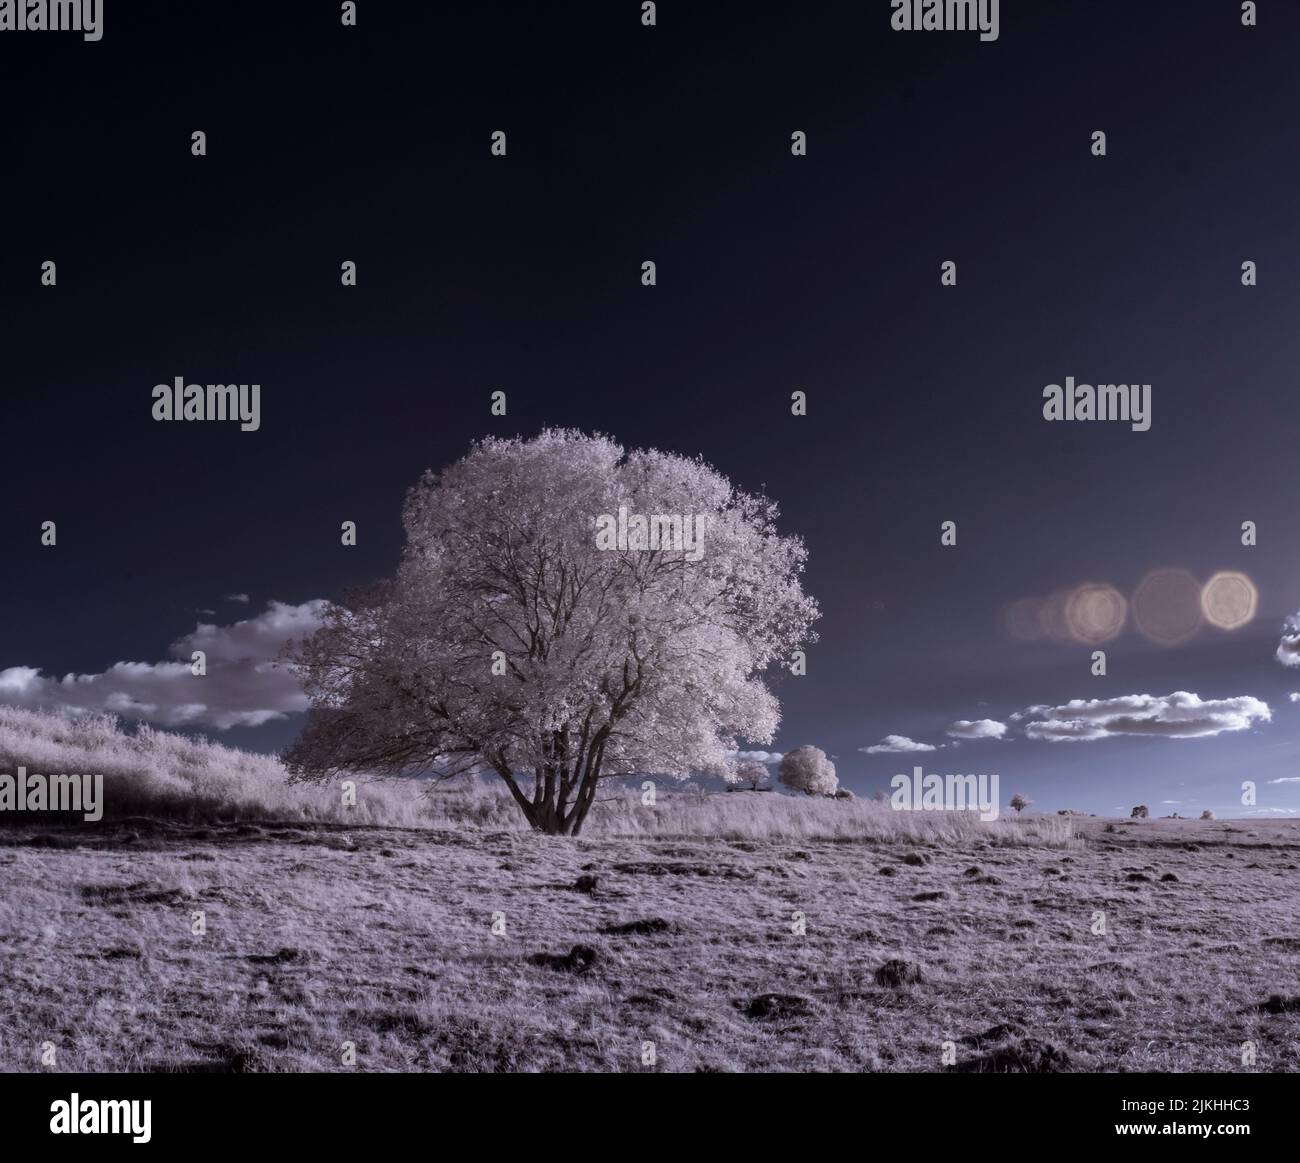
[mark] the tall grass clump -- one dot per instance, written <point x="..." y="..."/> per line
<point x="619" y="812"/>
<point x="157" y="773"/>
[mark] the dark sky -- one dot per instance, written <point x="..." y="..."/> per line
<point x="775" y="273"/>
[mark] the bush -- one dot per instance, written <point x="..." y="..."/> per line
<point x="807" y="769"/>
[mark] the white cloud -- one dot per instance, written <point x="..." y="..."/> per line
<point x="1288" y="648"/>
<point x="893" y="744"/>
<point x="242" y="688"/>
<point x="237" y="598"/>
<point x="760" y="756"/>
<point x="978" y="729"/>
<point x="1294" y="696"/>
<point x="18" y="680"/>
<point x="260" y="637"/>
<point x="1180" y="715"/>
<point x="1286" y="779"/>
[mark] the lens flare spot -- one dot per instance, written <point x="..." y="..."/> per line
<point x="1229" y="600"/>
<point x="1023" y="619"/>
<point x="1052" y="616"/>
<point x="1167" y="606"/>
<point x="1096" y="612"/>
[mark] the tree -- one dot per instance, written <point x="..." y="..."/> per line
<point x="1020" y="803"/>
<point x="1207" y="814"/>
<point x="752" y="772"/>
<point x="807" y="769"/>
<point x="516" y="638"/>
<point x="1139" y="813"/>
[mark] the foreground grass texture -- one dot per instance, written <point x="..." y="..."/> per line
<point x="735" y="932"/>
<point x="319" y="935"/>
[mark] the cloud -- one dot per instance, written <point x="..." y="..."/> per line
<point x="242" y="688"/>
<point x="978" y="729"/>
<point x="237" y="598"/>
<point x="760" y="756"/>
<point x="893" y="744"/>
<point x="1288" y="649"/>
<point x="1180" y="715"/>
<point x="260" y="637"/>
<point x="1294" y="696"/>
<point x="1286" y="779"/>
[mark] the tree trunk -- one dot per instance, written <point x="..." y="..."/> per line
<point x="549" y="810"/>
<point x="587" y="789"/>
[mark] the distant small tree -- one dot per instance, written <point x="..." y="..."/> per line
<point x="1139" y="813"/>
<point x="752" y="772"/>
<point x="1019" y="803"/>
<point x="1207" y="814"/>
<point x="807" y="769"/>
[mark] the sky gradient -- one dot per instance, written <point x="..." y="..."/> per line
<point x="775" y="273"/>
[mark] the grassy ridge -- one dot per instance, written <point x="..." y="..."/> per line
<point x="156" y="773"/>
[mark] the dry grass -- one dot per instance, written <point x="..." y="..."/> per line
<point x="745" y="816"/>
<point x="167" y="776"/>
<point x="319" y="935"/>
<point x="733" y="931"/>
<point x="156" y="773"/>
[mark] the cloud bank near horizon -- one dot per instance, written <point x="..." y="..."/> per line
<point x="243" y="687"/>
<point x="1180" y="715"/>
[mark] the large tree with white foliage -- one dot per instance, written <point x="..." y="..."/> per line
<point x="509" y="642"/>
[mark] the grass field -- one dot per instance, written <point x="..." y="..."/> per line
<point x="220" y="919"/>
<point x="319" y="935"/>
